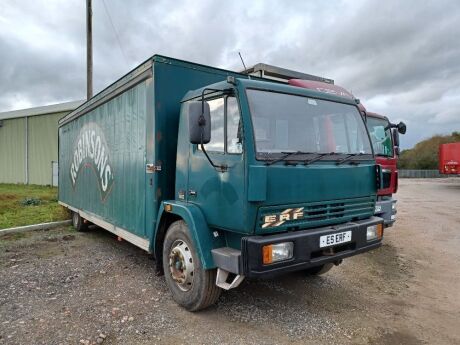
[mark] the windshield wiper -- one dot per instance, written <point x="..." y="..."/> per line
<point x="286" y="155"/>
<point x="318" y="157"/>
<point x="349" y="157"/>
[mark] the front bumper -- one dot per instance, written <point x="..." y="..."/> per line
<point x="386" y="209"/>
<point x="307" y="252"/>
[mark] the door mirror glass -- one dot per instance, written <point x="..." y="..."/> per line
<point x="401" y="128"/>
<point x="199" y="122"/>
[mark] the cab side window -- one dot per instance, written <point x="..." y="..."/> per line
<point x="226" y="126"/>
<point x="217" y="109"/>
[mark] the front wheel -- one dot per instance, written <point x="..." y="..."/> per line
<point x="191" y="286"/>
<point x="78" y="222"/>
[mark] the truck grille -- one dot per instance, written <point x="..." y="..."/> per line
<point x="303" y="216"/>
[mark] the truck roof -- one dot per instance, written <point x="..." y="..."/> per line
<point x="287" y="88"/>
<point x="144" y="71"/>
<point x="133" y="77"/>
<point x="268" y="84"/>
<point x="263" y="70"/>
<point x="378" y="116"/>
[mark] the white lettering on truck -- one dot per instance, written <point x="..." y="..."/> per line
<point x="91" y="150"/>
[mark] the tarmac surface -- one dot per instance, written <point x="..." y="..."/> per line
<point x="64" y="287"/>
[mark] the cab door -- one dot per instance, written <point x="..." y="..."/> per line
<point x="220" y="195"/>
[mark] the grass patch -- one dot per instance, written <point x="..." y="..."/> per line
<point x="29" y="204"/>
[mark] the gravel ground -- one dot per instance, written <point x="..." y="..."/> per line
<point x="63" y="287"/>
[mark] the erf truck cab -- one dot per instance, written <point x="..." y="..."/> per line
<point x="221" y="177"/>
<point x="384" y="137"/>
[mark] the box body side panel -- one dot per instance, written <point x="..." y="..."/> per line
<point x="102" y="157"/>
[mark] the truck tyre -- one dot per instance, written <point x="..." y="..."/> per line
<point x="78" y="222"/>
<point x="319" y="270"/>
<point x="191" y="286"/>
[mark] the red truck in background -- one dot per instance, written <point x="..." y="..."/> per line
<point x="385" y="141"/>
<point x="449" y="159"/>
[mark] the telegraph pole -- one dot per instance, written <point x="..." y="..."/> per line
<point x="89" y="50"/>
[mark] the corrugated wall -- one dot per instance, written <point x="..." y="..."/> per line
<point x="43" y="147"/>
<point x="12" y="151"/>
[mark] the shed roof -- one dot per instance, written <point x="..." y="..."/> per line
<point x="47" y="109"/>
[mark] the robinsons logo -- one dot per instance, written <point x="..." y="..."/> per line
<point x="91" y="151"/>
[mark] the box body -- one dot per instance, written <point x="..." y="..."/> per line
<point x="117" y="152"/>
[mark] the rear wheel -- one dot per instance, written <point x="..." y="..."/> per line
<point x="318" y="270"/>
<point x="191" y="286"/>
<point x="78" y="222"/>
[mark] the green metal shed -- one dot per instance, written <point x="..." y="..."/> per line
<point x="29" y="143"/>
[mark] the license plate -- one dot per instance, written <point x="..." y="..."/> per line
<point x="333" y="239"/>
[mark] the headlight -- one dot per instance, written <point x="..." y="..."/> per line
<point x="393" y="206"/>
<point x="374" y="232"/>
<point x="277" y="252"/>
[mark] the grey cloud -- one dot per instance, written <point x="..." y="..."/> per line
<point x="400" y="58"/>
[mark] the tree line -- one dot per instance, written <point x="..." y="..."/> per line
<point x="424" y="155"/>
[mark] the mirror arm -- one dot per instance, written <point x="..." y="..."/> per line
<point x="224" y="91"/>
<point x="220" y="168"/>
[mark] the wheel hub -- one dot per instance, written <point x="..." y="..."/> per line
<point x="181" y="265"/>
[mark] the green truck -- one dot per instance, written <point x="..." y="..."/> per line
<point x="220" y="175"/>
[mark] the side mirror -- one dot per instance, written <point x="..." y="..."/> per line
<point x="401" y="127"/>
<point x="395" y="135"/>
<point x="199" y="122"/>
<point x="397" y="150"/>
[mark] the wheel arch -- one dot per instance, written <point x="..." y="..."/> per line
<point x="202" y="236"/>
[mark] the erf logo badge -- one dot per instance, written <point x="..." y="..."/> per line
<point x="91" y="151"/>
<point x="286" y="215"/>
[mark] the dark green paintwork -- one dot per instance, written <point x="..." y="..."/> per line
<point x="257" y="183"/>
<point x="233" y="204"/>
<point x="143" y="125"/>
<point x="203" y="237"/>
<point x="140" y="127"/>
<point x="123" y="122"/>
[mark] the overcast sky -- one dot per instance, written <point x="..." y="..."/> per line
<point x="401" y="58"/>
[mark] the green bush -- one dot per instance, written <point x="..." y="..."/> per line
<point x="30" y="202"/>
<point x="424" y="155"/>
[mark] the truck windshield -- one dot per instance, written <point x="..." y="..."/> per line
<point x="286" y="123"/>
<point x="380" y="136"/>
